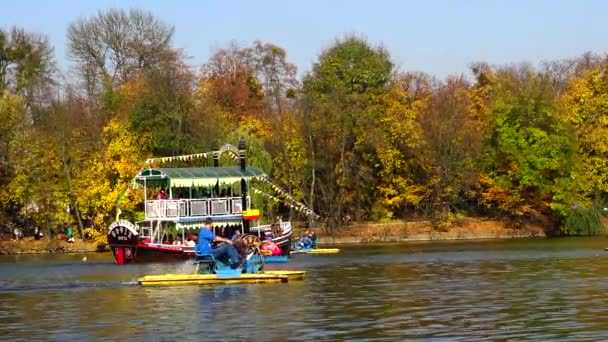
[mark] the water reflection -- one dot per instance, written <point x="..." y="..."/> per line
<point x="517" y="289"/>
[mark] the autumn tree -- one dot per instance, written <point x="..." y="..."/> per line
<point x="585" y="107"/>
<point x="27" y="68"/>
<point x="229" y="90"/>
<point x="38" y="187"/>
<point x="162" y="107"/>
<point x="116" y="45"/>
<point x="337" y="94"/>
<point x="397" y="138"/>
<point x="529" y="156"/>
<point x="453" y="137"/>
<point x="12" y="122"/>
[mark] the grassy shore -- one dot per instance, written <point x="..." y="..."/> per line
<point x="29" y="245"/>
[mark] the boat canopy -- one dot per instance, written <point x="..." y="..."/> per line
<point x="199" y="176"/>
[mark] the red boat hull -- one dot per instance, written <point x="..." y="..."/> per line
<point x="152" y="253"/>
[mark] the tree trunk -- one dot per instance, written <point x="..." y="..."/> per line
<point x="313" y="171"/>
<point x="73" y="202"/>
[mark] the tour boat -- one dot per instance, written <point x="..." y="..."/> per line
<point x="195" y="194"/>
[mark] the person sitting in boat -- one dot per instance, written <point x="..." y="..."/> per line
<point x="177" y="241"/>
<point x="222" y="251"/>
<point x="190" y="243"/>
<point x="313" y="238"/>
<point x="162" y="195"/>
<point x="305" y="242"/>
<point x="271" y="247"/>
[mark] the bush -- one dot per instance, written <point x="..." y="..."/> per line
<point x="584" y="221"/>
<point x="100" y="238"/>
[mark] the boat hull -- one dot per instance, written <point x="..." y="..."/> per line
<point x="128" y="246"/>
<point x="153" y="253"/>
<point x="272" y="259"/>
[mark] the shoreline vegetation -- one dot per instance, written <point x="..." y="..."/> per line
<point x="354" y="139"/>
<point x="394" y="231"/>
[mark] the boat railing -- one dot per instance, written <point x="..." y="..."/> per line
<point x="183" y="208"/>
<point x="267" y="228"/>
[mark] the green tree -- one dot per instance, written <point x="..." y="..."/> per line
<point x="337" y="97"/>
<point x="530" y="152"/>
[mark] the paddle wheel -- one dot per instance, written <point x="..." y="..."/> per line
<point x="123" y="239"/>
<point x="251" y="245"/>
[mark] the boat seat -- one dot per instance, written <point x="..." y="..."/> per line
<point x="205" y="263"/>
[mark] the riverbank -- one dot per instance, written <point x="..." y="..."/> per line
<point x="402" y="231"/>
<point x="29" y="245"/>
<point x="395" y="231"/>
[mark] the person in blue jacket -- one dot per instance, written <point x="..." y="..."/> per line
<point x="224" y="250"/>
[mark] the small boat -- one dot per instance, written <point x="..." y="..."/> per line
<point x="212" y="279"/>
<point x="275" y="259"/>
<point x="291" y="275"/>
<point x="316" y="251"/>
<point x="210" y="271"/>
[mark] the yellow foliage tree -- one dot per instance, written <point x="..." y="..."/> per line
<point x="39" y="185"/>
<point x="107" y="175"/>
<point x="399" y="138"/>
<point x="585" y="107"/>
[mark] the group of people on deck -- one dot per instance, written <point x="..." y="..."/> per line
<point x="189" y="241"/>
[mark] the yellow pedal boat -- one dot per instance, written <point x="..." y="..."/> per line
<point x="291" y="275"/>
<point x="317" y="251"/>
<point x="213" y="279"/>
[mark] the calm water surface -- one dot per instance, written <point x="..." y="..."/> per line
<point x="533" y="289"/>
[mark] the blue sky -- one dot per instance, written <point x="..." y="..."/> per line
<point x="439" y="37"/>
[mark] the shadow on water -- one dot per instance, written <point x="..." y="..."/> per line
<point x="533" y="289"/>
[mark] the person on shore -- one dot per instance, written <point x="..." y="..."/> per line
<point x="69" y="233"/>
<point x="222" y="251"/>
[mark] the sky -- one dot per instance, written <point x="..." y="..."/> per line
<point x="439" y="37"/>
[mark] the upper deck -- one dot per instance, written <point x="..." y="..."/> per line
<point x="192" y="210"/>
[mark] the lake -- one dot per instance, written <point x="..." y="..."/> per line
<point x="532" y="289"/>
